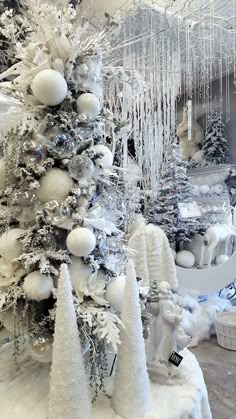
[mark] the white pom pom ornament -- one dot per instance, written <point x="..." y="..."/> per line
<point x="37" y="286"/>
<point x="204" y="189"/>
<point x="89" y="105"/>
<point x="49" y="87"/>
<point x="107" y="157"/>
<point x="185" y="259"/>
<point x="115" y="292"/>
<point x="55" y="186"/>
<point x="10" y="246"/>
<point x="81" y="241"/>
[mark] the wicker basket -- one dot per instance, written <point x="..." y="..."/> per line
<point x="226" y="330"/>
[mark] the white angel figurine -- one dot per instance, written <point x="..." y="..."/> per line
<point x="163" y="339"/>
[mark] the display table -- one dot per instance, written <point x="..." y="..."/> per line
<point x="24" y="395"/>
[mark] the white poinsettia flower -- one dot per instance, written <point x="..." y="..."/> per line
<point x="94" y="287"/>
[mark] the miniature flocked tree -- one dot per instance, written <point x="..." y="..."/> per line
<point x="131" y="396"/>
<point x="215" y="145"/>
<point x="61" y="199"/>
<point x="174" y="188"/>
<point x="69" y="393"/>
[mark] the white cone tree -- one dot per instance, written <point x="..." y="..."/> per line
<point x="69" y="393"/>
<point x="131" y="396"/>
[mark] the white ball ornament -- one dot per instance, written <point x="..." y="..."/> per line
<point x="185" y="259"/>
<point x="89" y="105"/>
<point x="221" y="259"/>
<point x="10" y="246"/>
<point x="49" y="87"/>
<point x="115" y="292"/>
<point x="79" y="271"/>
<point x="204" y="189"/>
<point x="37" y="286"/>
<point x="81" y="241"/>
<point x="107" y="156"/>
<point x="55" y="186"/>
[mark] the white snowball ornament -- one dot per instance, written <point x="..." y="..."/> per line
<point x="204" y="189"/>
<point x="79" y="271"/>
<point x="89" y="105"/>
<point x="107" y="156"/>
<point x="221" y="259"/>
<point x="10" y="246"/>
<point x="115" y="292"/>
<point x="185" y="259"/>
<point x="37" y="286"/>
<point x="55" y="186"/>
<point x="49" y="87"/>
<point x="81" y="241"/>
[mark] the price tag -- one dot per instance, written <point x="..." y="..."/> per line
<point x="189" y="209"/>
<point x="175" y="359"/>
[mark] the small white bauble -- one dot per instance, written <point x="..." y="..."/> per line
<point x="79" y="271"/>
<point x="221" y="259"/>
<point x="10" y="246"/>
<point x="195" y="190"/>
<point x="107" y="158"/>
<point x="115" y="292"/>
<point x="89" y="105"/>
<point x="55" y="186"/>
<point x="2" y="174"/>
<point x="198" y="156"/>
<point x="37" y="286"/>
<point x="49" y="87"/>
<point x="204" y="189"/>
<point x="185" y="259"/>
<point x="218" y="188"/>
<point x="173" y="253"/>
<point x="81" y="241"/>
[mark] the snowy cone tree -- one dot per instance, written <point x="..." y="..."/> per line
<point x="69" y="394"/>
<point x="215" y="145"/>
<point x="131" y="396"/>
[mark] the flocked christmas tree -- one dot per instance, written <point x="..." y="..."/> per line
<point x="59" y="202"/>
<point x="174" y="189"/>
<point x="215" y="145"/>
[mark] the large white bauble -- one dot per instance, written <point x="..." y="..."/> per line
<point x="37" y="286"/>
<point x="79" y="271"/>
<point x="107" y="158"/>
<point x="221" y="259"/>
<point x="81" y="241"/>
<point x="89" y="105"/>
<point x="49" y="87"/>
<point x="10" y="246"/>
<point x="55" y="185"/>
<point x="115" y="292"/>
<point x="185" y="259"/>
<point x="2" y="174"/>
<point x="204" y="189"/>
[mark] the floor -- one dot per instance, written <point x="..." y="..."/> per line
<point x="219" y="369"/>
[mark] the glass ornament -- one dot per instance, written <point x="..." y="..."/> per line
<point x="33" y="153"/>
<point x="64" y="143"/>
<point x="41" y="347"/>
<point x="81" y="167"/>
<point x="46" y="241"/>
<point x="24" y="205"/>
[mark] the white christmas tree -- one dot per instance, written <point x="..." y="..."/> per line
<point x="131" y="396"/>
<point x="69" y="394"/>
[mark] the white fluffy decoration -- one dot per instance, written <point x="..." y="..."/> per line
<point x="10" y="246"/>
<point x="37" y="286"/>
<point x="79" y="271"/>
<point x="2" y="174"/>
<point x="185" y="259"/>
<point x="49" y="87"/>
<point x="115" y="292"/>
<point x="204" y="189"/>
<point x="107" y="158"/>
<point x="89" y="105"/>
<point x="81" y="241"/>
<point x="198" y="156"/>
<point x="219" y="188"/>
<point x="55" y="185"/>
<point x="221" y="259"/>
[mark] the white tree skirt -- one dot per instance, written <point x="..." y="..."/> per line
<point x="24" y="395"/>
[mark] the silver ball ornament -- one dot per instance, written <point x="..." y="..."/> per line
<point x="24" y="205"/>
<point x="80" y="167"/>
<point x="63" y="143"/>
<point x="41" y="348"/>
<point x="33" y="153"/>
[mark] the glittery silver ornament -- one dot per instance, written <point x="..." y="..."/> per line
<point x="41" y="348"/>
<point x="81" y="167"/>
<point x="24" y="205"/>
<point x="63" y="143"/>
<point x="33" y="153"/>
<point x="46" y="241"/>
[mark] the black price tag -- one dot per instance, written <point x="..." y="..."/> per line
<point x="175" y="359"/>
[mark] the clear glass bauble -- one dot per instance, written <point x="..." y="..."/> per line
<point x="81" y="167"/>
<point x="63" y="143"/>
<point x="24" y="205"/>
<point x="33" y="153"/>
<point x="41" y="347"/>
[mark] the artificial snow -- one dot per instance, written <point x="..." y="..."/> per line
<point x="25" y="395"/>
